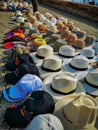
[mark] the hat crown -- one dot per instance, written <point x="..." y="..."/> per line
<point x="80" y="62"/>
<point x="45" y="51"/>
<point x="88" y="52"/>
<point x="64" y="82"/>
<point x="67" y="50"/>
<point x="52" y="63"/>
<point x="82" y="111"/>
<point x="29" y="83"/>
<point x="92" y="77"/>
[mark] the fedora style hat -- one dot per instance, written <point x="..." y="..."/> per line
<point x="78" y="64"/>
<point x="67" y="51"/>
<point x="26" y="85"/>
<point x="77" y="112"/>
<point x="21" y="70"/>
<point x="41" y="53"/>
<point x="61" y="84"/>
<point x="90" y="82"/>
<point x="40" y="102"/>
<point x="51" y="64"/>
<point x="89" y="53"/>
<point x="45" y="122"/>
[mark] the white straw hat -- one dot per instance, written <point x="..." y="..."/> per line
<point x="61" y="84"/>
<point x="78" y="64"/>
<point x="77" y="112"/>
<point x="41" y="53"/>
<point x="91" y="82"/>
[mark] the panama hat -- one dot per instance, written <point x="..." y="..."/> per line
<point x="61" y="84"/>
<point x="45" y="122"/>
<point x="49" y="65"/>
<point x="77" y="112"/>
<point x="91" y="82"/>
<point x="89" y="53"/>
<point x="41" y="53"/>
<point x="67" y="51"/>
<point x="78" y="64"/>
<point x="90" y="40"/>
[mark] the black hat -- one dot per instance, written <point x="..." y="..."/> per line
<point x="22" y="58"/>
<point x="40" y="102"/>
<point x="25" y="68"/>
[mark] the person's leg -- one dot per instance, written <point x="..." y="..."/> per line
<point x="35" y="5"/>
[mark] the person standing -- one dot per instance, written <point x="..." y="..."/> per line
<point x="35" y="5"/>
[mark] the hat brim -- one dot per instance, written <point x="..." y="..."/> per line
<point x="43" y="73"/>
<point x="90" y="89"/>
<point x="59" y="112"/>
<point x="47" y="87"/>
<point x="67" y="67"/>
<point x="11" y="94"/>
<point x="11" y="78"/>
<point x="35" y="58"/>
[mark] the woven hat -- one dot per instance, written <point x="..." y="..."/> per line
<point x="81" y="34"/>
<point x="25" y="4"/>
<point x="77" y="112"/>
<point x="26" y="85"/>
<point x="41" y="53"/>
<point x="62" y="84"/>
<point x="51" y="64"/>
<point x="45" y="122"/>
<point x="20" y="19"/>
<point x="91" y="82"/>
<point x="67" y="51"/>
<point x="96" y="48"/>
<point x="89" y="53"/>
<point x="19" y="116"/>
<point x="90" y="40"/>
<point x="78" y="64"/>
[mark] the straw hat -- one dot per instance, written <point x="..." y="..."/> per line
<point x="51" y="64"/>
<point x="91" y="82"/>
<point x="77" y="112"/>
<point x="79" y="43"/>
<point x="89" y="53"/>
<point x="67" y="51"/>
<point x="41" y="53"/>
<point x="90" y="40"/>
<point x="25" y="4"/>
<point x="79" y="64"/>
<point x="61" y="84"/>
<point x="96" y="48"/>
<point x="81" y="34"/>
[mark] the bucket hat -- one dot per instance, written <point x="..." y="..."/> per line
<point x="77" y="112"/>
<point x="26" y="85"/>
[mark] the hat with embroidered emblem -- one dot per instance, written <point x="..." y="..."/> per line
<point x="40" y="102"/>
<point x="26" y="85"/>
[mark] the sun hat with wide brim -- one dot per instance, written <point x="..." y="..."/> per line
<point x="67" y="65"/>
<point x="90" y="82"/>
<point x="74" y="112"/>
<point x="49" y="65"/>
<point x="57" y="85"/>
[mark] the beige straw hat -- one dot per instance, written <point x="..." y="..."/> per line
<point x="61" y="84"/>
<point x="77" y="112"/>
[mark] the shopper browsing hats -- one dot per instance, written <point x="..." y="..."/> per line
<point x="40" y="102"/>
<point x="62" y="84"/>
<point x="77" y="112"/>
<point x="26" y="85"/>
<point x="21" y="70"/>
<point x="45" y="122"/>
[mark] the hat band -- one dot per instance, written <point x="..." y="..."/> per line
<point x="58" y="92"/>
<point x="49" y="70"/>
<point x="90" y="57"/>
<point x="7" y="92"/>
<point x="41" y="57"/>
<point x="95" y="86"/>
<point x="65" y="56"/>
<point x="77" y="68"/>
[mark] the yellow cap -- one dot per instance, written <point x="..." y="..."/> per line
<point x="35" y="35"/>
<point x="39" y="41"/>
